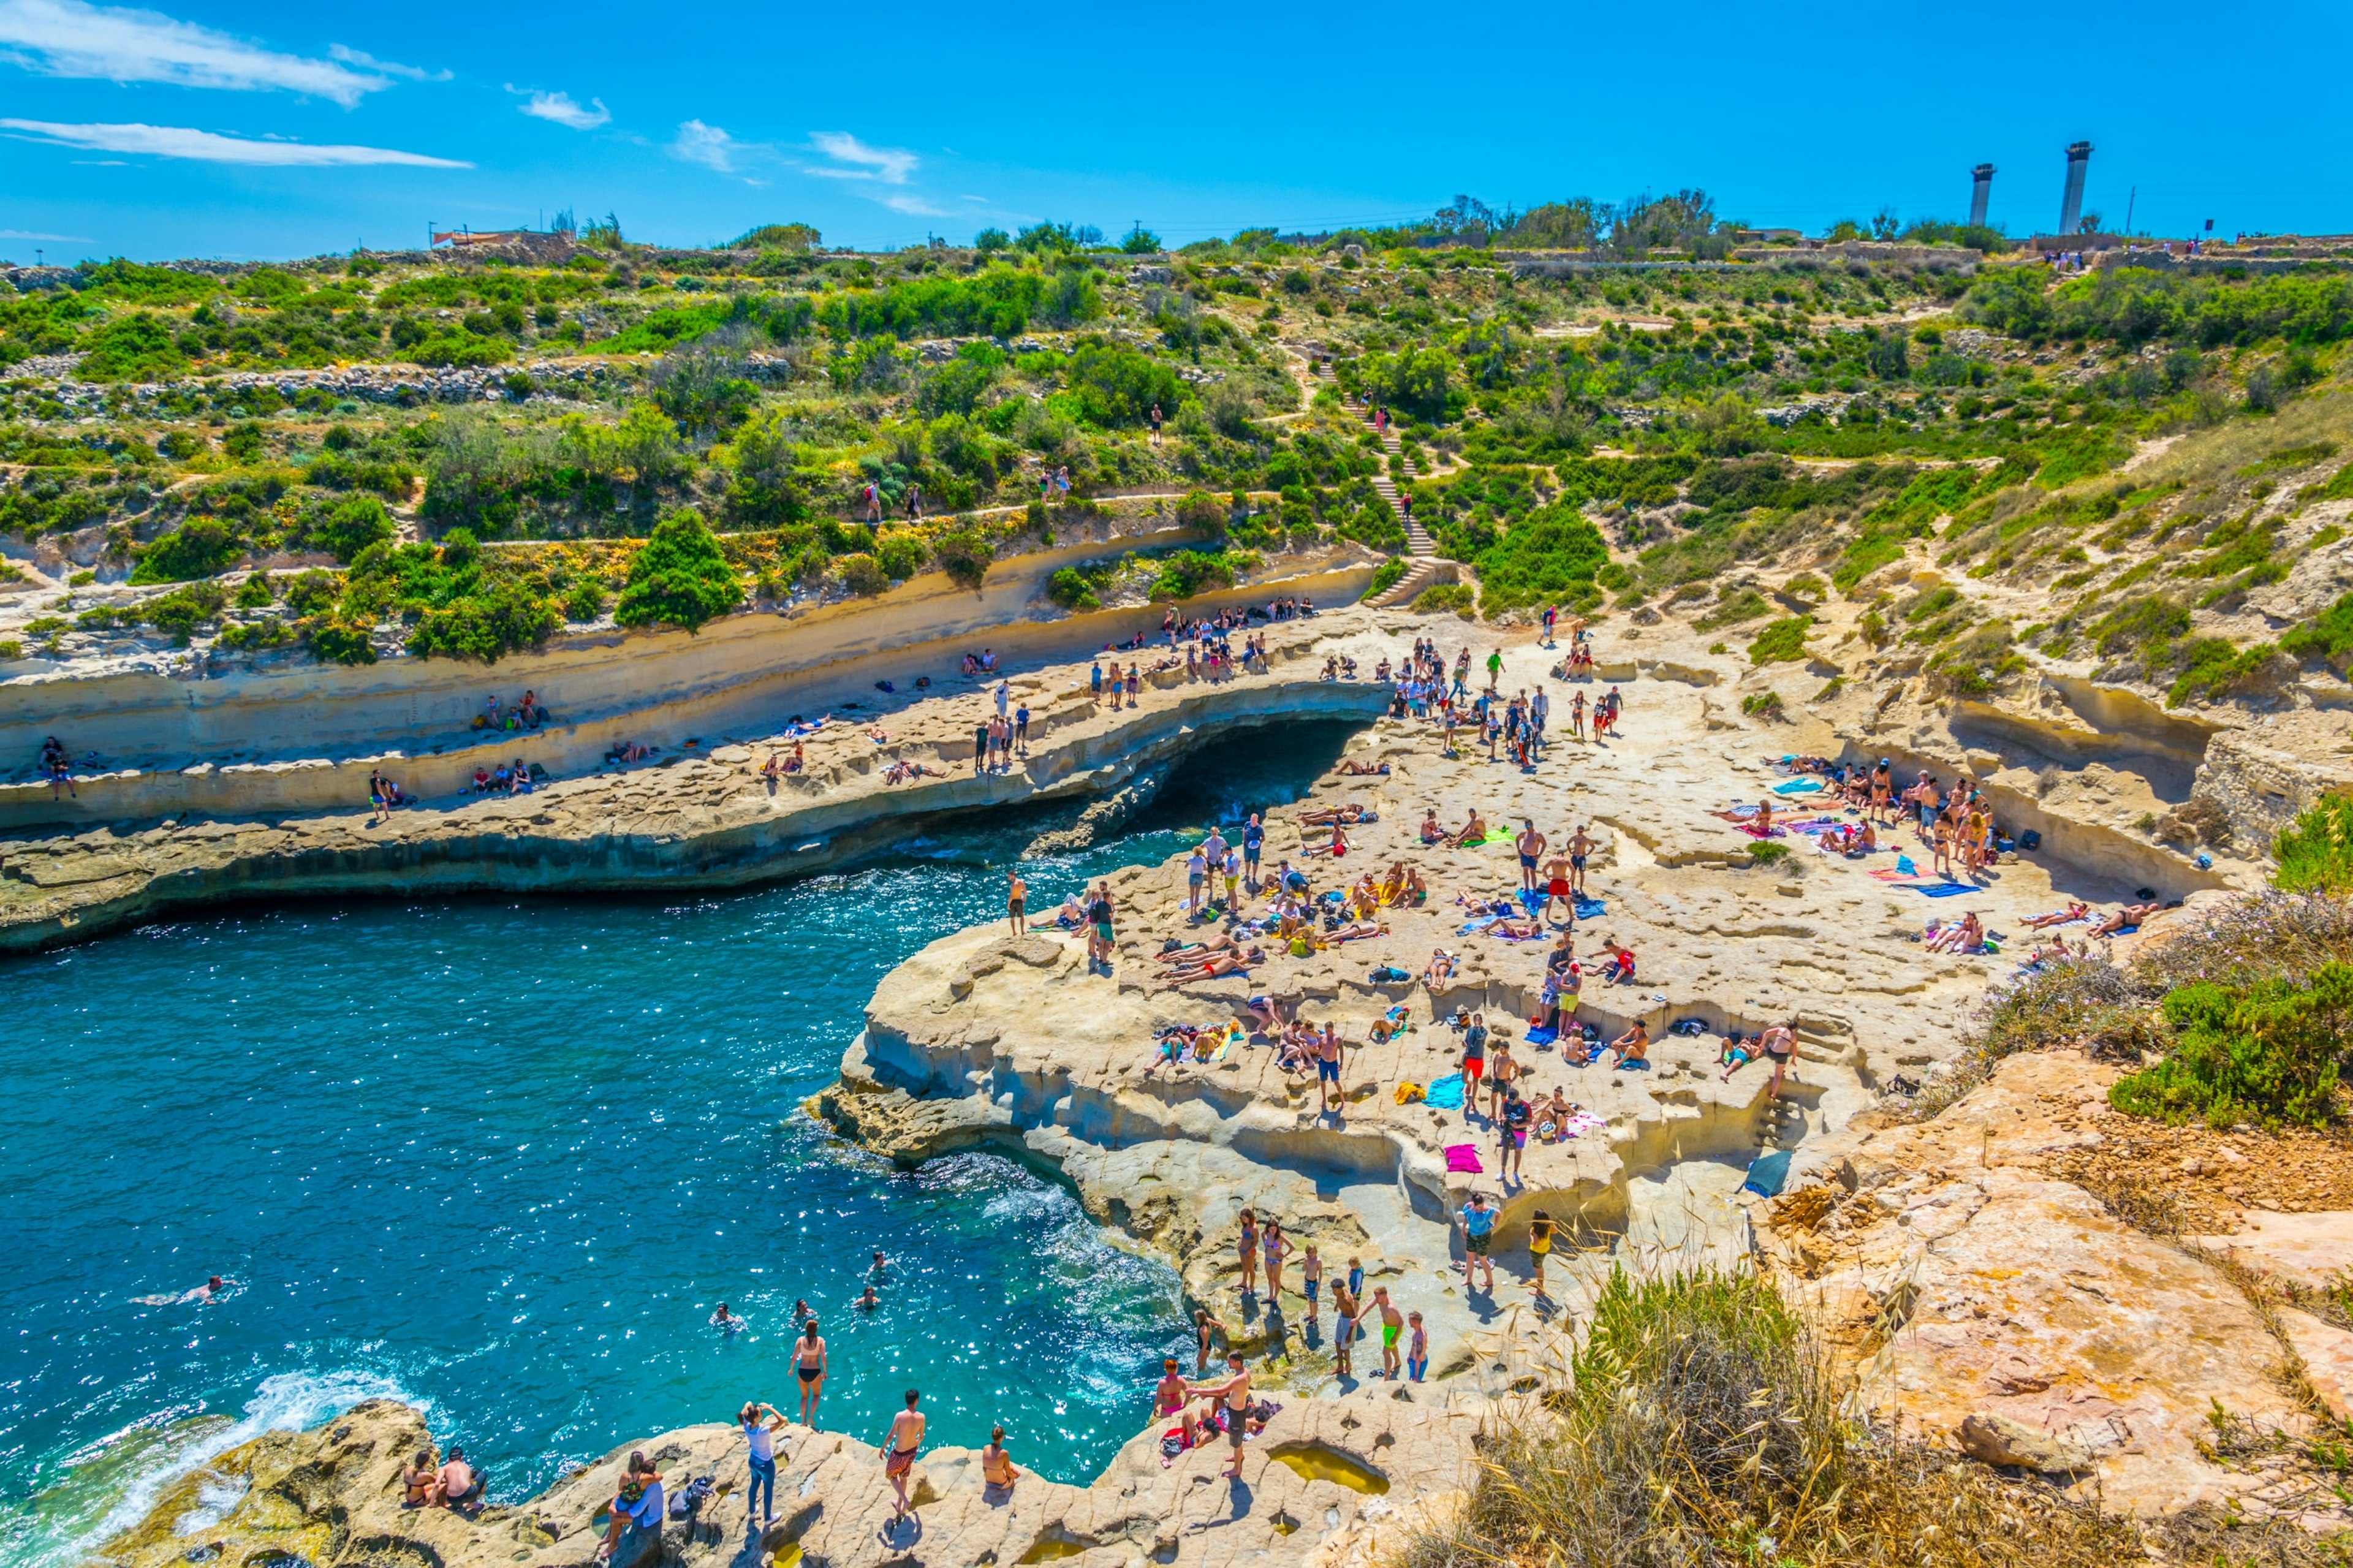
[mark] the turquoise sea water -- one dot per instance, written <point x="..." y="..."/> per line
<point x="502" y="1158"/>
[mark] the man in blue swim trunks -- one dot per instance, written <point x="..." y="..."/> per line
<point x="1253" y="838"/>
<point x="1478" y="1235"/>
<point x="1327" y="1068"/>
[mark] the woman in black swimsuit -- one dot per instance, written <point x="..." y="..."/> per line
<point x="808" y="1359"/>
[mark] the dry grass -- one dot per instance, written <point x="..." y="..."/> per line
<point x="1705" y="1425"/>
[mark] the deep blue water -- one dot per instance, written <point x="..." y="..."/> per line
<point x="503" y="1157"/>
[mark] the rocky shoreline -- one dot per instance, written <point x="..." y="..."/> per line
<point x="703" y="821"/>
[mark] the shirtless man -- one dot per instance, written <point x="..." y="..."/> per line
<point x="1017" y="901"/>
<point x="1557" y="888"/>
<point x="1580" y="844"/>
<point x="461" y="1486"/>
<point x="1235" y="1395"/>
<point x="1215" y="966"/>
<point x="1472" y="831"/>
<point x="899" y="1446"/>
<point x="1327" y="1070"/>
<point x="1530" y="844"/>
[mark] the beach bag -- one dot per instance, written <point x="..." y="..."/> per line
<point x="1410" y="1093"/>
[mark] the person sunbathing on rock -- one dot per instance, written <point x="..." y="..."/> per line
<point x="1440" y="971"/>
<point x="1631" y="1049"/>
<point x="1355" y="930"/>
<point x="1324" y="816"/>
<point x="2074" y="912"/>
<point x="1354" y="769"/>
<point x="1518" y="929"/>
<point x="1736" y="1054"/>
<point x="1215" y="966"/>
<point x="1187" y="952"/>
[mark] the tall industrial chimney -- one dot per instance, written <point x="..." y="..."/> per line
<point x="1980" y="193"/>
<point x="2070" y="205"/>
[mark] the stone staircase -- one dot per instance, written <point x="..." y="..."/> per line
<point x="1423" y="566"/>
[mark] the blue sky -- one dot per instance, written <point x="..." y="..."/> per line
<point x="274" y="130"/>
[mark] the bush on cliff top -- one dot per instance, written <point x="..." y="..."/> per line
<point x="2316" y="853"/>
<point x="680" y="578"/>
<point x="1702" y="1423"/>
<point x="2269" y="1053"/>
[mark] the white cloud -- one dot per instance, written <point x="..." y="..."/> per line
<point x="107" y="43"/>
<point x="559" y="107"/>
<point x="176" y="142"/>
<point x="707" y="145"/>
<point x="891" y="166"/>
<point x="367" y="61"/>
<point x="913" y="205"/>
<point x="30" y="234"/>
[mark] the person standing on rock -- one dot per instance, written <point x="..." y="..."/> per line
<point x="761" y="1436"/>
<point x="1540" y="1231"/>
<point x="1101" y="939"/>
<point x="1478" y="1235"/>
<point x="1248" y="1221"/>
<point x="1344" y="1308"/>
<point x="1580" y="844"/>
<point x="1022" y="727"/>
<point x="1327" y="1070"/>
<point x="1392" y="1326"/>
<point x="1514" y="1136"/>
<point x="1417" y="1350"/>
<point x="1253" y="840"/>
<point x="1277" y="1247"/>
<point x="1781" y="1043"/>
<point x="899" y="1448"/>
<point x="1311" y="1282"/>
<point x="1234" y="1394"/>
<point x="1205" y="1329"/>
<point x="1017" y="900"/>
<point x="979" y="747"/>
<point x="808" y="1360"/>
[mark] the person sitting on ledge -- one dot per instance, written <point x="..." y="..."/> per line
<point x="481" y="781"/>
<point x="1620" y="970"/>
<point x="1632" y="1049"/>
<point x="461" y="1485"/>
<point x="1473" y="831"/>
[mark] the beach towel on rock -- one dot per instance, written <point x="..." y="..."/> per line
<point x="1945" y="889"/>
<point x="1539" y="1036"/>
<point x="1446" y="1093"/>
<point x="1581" y="1121"/>
<point x="1767" y="1173"/>
<point x="1798" y="786"/>
<point x="1464" y="1157"/>
<point x="1590" y="908"/>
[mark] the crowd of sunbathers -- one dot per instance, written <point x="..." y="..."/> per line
<point x="1955" y="822"/>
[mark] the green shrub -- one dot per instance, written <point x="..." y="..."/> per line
<point x="351" y="527"/>
<point x="311" y="592"/>
<point x="1191" y="572"/>
<point x="1070" y="588"/>
<point x="2327" y="636"/>
<point x="2315" y="852"/>
<point x="1203" y="511"/>
<point x="12" y="648"/>
<point x="266" y="633"/>
<point x="256" y="592"/>
<point x="492" y="619"/>
<point x="1767" y="853"/>
<point x="2268" y="1053"/>
<point x="333" y="640"/>
<point x="1441" y="597"/>
<point x="1386" y="576"/>
<point x="200" y="547"/>
<point x="965" y="557"/>
<point x="1782" y="642"/>
<point x="137" y="347"/>
<point x="863" y="574"/>
<point x="1762" y="705"/>
<point x="585" y="600"/>
<point x="901" y="554"/>
<point x="679" y="578"/>
<point x="182" y="610"/>
<point x="2214" y="668"/>
<point x="1744" y="605"/>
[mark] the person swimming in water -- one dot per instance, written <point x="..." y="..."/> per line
<point x="725" y="1321"/>
<point x="869" y="1301"/>
<point x="200" y="1295"/>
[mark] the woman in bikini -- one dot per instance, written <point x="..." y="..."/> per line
<point x="1249" y="1251"/>
<point x="1171" y="1399"/>
<point x="422" y="1480"/>
<point x="809" y="1360"/>
<point x="996" y="1466"/>
<point x="1206" y="1328"/>
<point x="1277" y="1248"/>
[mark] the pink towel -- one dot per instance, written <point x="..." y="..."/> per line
<point x="1464" y="1157"/>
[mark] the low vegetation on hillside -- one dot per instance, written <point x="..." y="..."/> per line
<point x="1612" y="438"/>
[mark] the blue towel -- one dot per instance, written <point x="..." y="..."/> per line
<point x="1446" y="1093"/>
<point x="1768" y="1174"/>
<point x="1540" y="1036"/>
<point x="1945" y="889"/>
<point x="1903" y="866"/>
<point x="1590" y="908"/>
<point x="1798" y="786"/>
<point x="1531" y="899"/>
